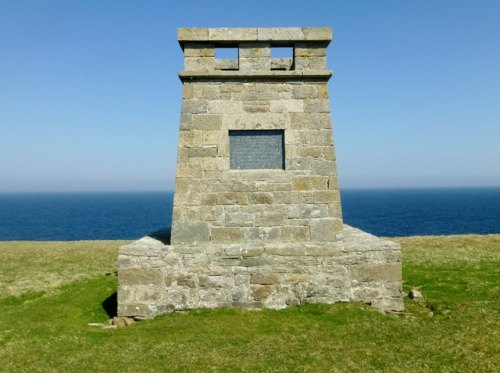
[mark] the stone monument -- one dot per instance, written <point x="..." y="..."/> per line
<point x="257" y="219"/>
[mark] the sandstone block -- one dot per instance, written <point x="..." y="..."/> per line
<point x="225" y="107"/>
<point x="198" y="63"/>
<point x="254" y="50"/>
<point x="305" y="91"/>
<point x="294" y="234"/>
<point x="194" y="106"/>
<point x="320" y="167"/>
<point x="206" y="122"/>
<point x="262" y="292"/>
<point x="231" y="34"/>
<point x="205" y="151"/>
<point x="325" y="229"/>
<point x="377" y="272"/>
<point x="260" y="198"/>
<point x="189" y="232"/>
<point x="310" y="50"/>
<point x="317" y="106"/>
<point x="199" y="50"/>
<point x="287" y="106"/>
<point x="140" y="276"/>
<point x="188" y="34"/>
<point x="232" y="198"/>
<point x="188" y="139"/>
<point x="305" y="183"/>
<point x="307" y="211"/>
<point x="226" y="234"/>
<point x="263" y="279"/>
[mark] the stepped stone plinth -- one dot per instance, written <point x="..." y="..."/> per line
<point x="257" y="218"/>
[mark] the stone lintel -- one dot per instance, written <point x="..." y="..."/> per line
<point x="280" y="35"/>
<point x="323" y="75"/>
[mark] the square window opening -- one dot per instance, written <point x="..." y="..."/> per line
<point x="282" y="58"/>
<point x="226" y="58"/>
<point x="226" y="53"/>
<point x="281" y="52"/>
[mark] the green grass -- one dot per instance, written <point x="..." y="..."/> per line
<point x="50" y="291"/>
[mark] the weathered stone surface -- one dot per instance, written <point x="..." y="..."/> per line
<point x="140" y="276"/>
<point x="226" y="234"/>
<point x="189" y="232"/>
<point x="263" y="279"/>
<point x="270" y="237"/>
<point x="377" y="272"/>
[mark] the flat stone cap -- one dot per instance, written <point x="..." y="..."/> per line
<point x="272" y="34"/>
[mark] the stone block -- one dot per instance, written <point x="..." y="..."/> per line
<point x="321" y="167"/>
<point x="255" y="64"/>
<point x="232" y="198"/>
<point x="306" y="183"/>
<point x="373" y="272"/>
<point x="207" y="91"/>
<point x="205" y="151"/>
<point x="310" y="121"/>
<point x="230" y="64"/>
<point x="317" y="33"/>
<point x="310" y="50"/>
<point x="232" y="34"/>
<point x="188" y="34"/>
<point x="280" y="34"/>
<point x="190" y="232"/>
<point x="189" y="139"/>
<point x="282" y="64"/>
<point x="305" y="91"/>
<point x="199" y="63"/>
<point x="307" y="211"/>
<point x="225" y="107"/>
<point x="310" y="151"/>
<point x="226" y="234"/>
<point x="262" y="292"/>
<point x="206" y="122"/>
<point x="263" y="279"/>
<point x="194" y="106"/>
<point x="317" y="106"/>
<point x="285" y="250"/>
<point x="255" y="121"/>
<point x="260" y="198"/>
<point x="325" y="229"/>
<point x="240" y="219"/>
<point x="295" y="234"/>
<point x="287" y="106"/>
<point x="254" y="50"/>
<point x="140" y="276"/>
<point x="199" y="50"/>
<point x="326" y="196"/>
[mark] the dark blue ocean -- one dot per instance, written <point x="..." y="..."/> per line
<point x="95" y="216"/>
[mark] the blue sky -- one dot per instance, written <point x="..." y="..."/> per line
<point x="90" y="98"/>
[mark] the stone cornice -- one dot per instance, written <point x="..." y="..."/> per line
<point x="260" y="75"/>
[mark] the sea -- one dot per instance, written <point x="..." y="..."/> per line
<point x="131" y="215"/>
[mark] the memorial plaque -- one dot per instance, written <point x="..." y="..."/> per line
<point x="260" y="149"/>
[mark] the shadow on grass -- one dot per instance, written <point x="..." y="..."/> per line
<point x="110" y="305"/>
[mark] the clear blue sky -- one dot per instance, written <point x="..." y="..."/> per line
<point x="90" y="98"/>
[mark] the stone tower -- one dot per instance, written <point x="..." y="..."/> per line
<point x="257" y="219"/>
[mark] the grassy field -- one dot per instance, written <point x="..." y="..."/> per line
<point x="50" y="291"/>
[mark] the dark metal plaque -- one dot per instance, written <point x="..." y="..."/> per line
<point x="261" y="149"/>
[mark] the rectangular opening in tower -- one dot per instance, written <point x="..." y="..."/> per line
<point x="282" y="58"/>
<point x="257" y="149"/>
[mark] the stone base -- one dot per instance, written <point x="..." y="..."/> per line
<point x="154" y="278"/>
